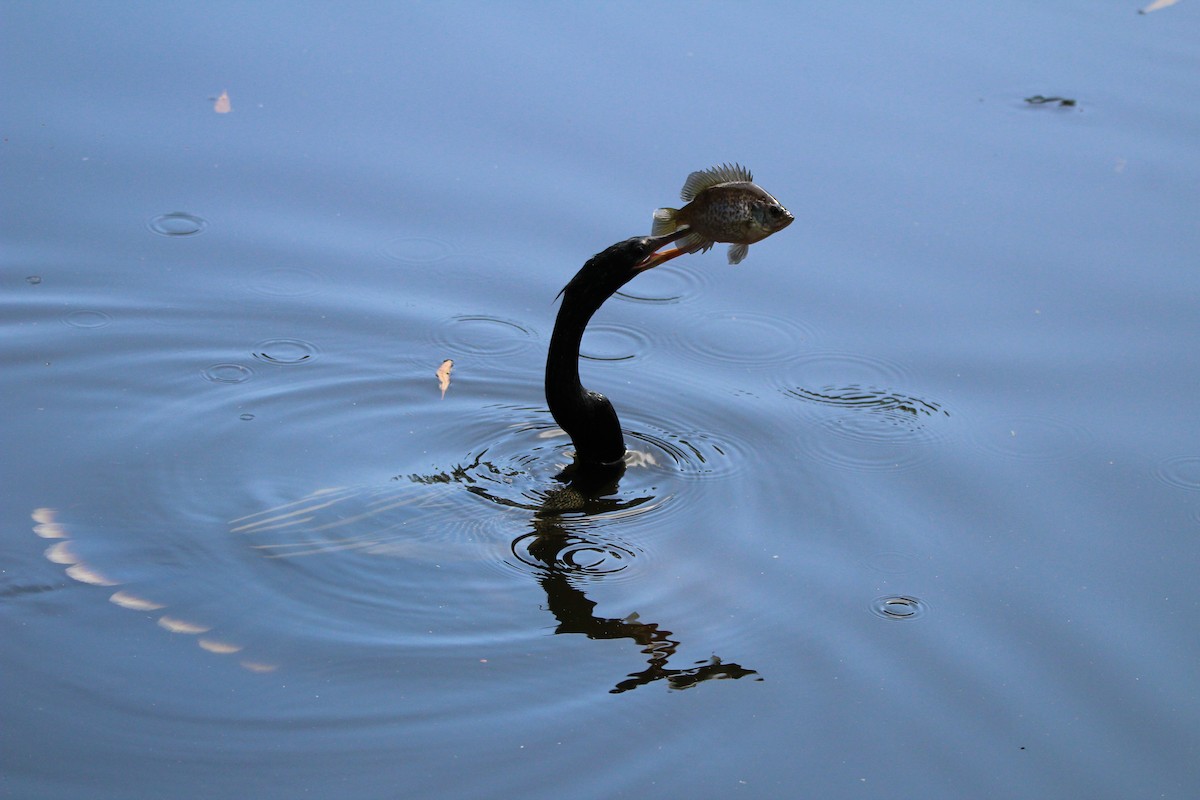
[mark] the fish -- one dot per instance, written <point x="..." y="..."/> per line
<point x="724" y="204"/>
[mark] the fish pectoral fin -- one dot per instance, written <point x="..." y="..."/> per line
<point x="697" y="182"/>
<point x="664" y="221"/>
<point x="737" y="252"/>
<point x="694" y="243"/>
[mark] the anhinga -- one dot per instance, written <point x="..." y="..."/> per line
<point x="588" y="417"/>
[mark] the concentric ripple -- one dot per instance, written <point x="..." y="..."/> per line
<point x="745" y="339"/>
<point x="227" y="373"/>
<point x="285" y="352"/>
<point x="827" y="368"/>
<point x="609" y="342"/>
<point x="666" y="285"/>
<point x="1182" y="472"/>
<point x="483" y="335"/>
<point x="898" y="608"/>
<point x="285" y="282"/>
<point x="899" y="409"/>
<point x="87" y="318"/>
<point x="870" y="429"/>
<point x="177" y="223"/>
<point x="858" y="425"/>
<point x="416" y="250"/>
<point x="573" y="554"/>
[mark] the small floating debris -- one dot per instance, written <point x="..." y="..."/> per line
<point x="443" y="375"/>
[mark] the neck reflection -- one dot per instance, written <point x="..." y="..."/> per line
<point x="562" y="551"/>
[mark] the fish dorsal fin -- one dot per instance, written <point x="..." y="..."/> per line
<point x="697" y="182"/>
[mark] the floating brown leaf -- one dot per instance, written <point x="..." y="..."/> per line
<point x="222" y="105"/>
<point x="443" y="375"/>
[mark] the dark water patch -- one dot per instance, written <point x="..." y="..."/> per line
<point x="743" y="339"/>
<point x="13" y="591"/>
<point x="285" y="282"/>
<point x="606" y="341"/>
<point x="899" y="608"/>
<point x="177" y="224"/>
<point x="87" y="319"/>
<point x="417" y="250"/>
<point x="227" y="373"/>
<point x="1181" y="472"/>
<point x="33" y="280"/>
<point x="666" y="285"/>
<point x="285" y="352"/>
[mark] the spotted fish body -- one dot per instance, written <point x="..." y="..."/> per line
<point x="724" y="204"/>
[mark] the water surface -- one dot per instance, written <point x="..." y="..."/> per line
<point x="916" y="501"/>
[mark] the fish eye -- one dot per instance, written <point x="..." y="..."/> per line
<point x="768" y="214"/>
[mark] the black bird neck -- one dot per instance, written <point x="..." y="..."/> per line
<point x="587" y="417"/>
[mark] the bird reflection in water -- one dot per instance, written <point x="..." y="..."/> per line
<point x="575" y="612"/>
<point x="561" y="553"/>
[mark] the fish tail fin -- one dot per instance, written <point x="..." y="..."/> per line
<point x="664" y="221"/>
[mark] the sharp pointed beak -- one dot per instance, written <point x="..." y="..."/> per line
<point x="657" y="259"/>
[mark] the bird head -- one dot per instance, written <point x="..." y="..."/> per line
<point x="610" y="269"/>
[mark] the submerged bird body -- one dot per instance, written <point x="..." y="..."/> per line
<point x="586" y="416"/>
<point x="723" y="205"/>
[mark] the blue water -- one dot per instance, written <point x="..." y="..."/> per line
<point x="915" y="508"/>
